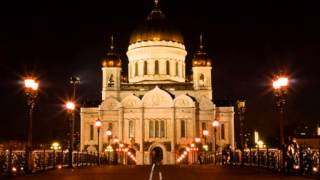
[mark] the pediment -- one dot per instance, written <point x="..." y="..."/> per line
<point x="157" y="98"/>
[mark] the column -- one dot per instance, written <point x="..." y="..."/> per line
<point x="173" y="136"/>
<point x="142" y="136"/>
<point x="120" y="122"/>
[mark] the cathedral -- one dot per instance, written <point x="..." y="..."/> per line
<point x="156" y="109"/>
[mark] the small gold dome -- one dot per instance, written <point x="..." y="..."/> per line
<point x="156" y="28"/>
<point x="112" y="59"/>
<point x="201" y="59"/>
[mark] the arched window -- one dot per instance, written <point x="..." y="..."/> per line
<point x="145" y="68"/>
<point x="136" y="69"/>
<point x="156" y="129"/>
<point x="177" y="69"/>
<point x="183" y="128"/>
<point x="91" y="132"/>
<point x="156" y="67"/>
<point x="168" y="67"/>
<point x="162" y="129"/>
<point x="131" y="129"/>
<point x="201" y="80"/>
<point x="151" y="129"/>
<point x="222" y="131"/>
<point x="111" y="81"/>
<point x="110" y="126"/>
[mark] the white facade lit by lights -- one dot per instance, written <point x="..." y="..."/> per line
<point x="154" y="107"/>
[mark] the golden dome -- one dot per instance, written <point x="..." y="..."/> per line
<point x="112" y="58"/>
<point x="201" y="58"/>
<point x="156" y="28"/>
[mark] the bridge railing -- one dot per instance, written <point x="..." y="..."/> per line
<point x="306" y="161"/>
<point x="12" y="162"/>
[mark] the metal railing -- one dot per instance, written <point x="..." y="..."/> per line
<point x="12" y="162"/>
<point x="304" y="162"/>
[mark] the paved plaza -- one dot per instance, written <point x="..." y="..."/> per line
<point x="160" y="173"/>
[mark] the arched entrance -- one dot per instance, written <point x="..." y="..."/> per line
<point x="156" y="155"/>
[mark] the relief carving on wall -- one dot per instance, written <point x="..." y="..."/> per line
<point x="206" y="103"/>
<point x="110" y="104"/>
<point x="131" y="101"/>
<point x="157" y="98"/>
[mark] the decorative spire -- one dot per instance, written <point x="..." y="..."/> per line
<point x="111" y="43"/>
<point x="156" y="3"/>
<point x="201" y="42"/>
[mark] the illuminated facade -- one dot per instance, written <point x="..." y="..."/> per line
<point x="156" y="106"/>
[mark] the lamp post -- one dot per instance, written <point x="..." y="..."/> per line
<point x="55" y="146"/>
<point x="280" y="86"/>
<point x="31" y="92"/>
<point x="205" y="133"/>
<point x="98" y="125"/>
<point x="109" y="134"/>
<point x="70" y="106"/>
<point x="241" y="107"/>
<point x="215" y="124"/>
<point x="116" y="142"/>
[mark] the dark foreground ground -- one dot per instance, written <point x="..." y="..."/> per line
<point x="160" y="173"/>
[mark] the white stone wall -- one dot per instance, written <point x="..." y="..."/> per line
<point x="157" y="105"/>
<point x="152" y="51"/>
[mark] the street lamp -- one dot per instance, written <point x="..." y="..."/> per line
<point x="205" y="133"/>
<point x="31" y="92"/>
<point x="215" y="124"/>
<point x="70" y="106"/>
<point x="109" y="134"/>
<point x="241" y="107"/>
<point x="98" y="125"/>
<point x="280" y="86"/>
<point x="55" y="146"/>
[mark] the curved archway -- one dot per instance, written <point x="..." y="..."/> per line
<point x="156" y="155"/>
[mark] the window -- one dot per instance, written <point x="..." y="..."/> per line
<point x="168" y="67"/>
<point x="131" y="129"/>
<point x="222" y="132"/>
<point x="177" y="69"/>
<point x="162" y="129"/>
<point x="136" y="69"/>
<point x="145" y="68"/>
<point x="204" y="126"/>
<point x="156" y="129"/>
<point x="110" y="126"/>
<point x="91" y="132"/>
<point x="151" y="129"/>
<point x="111" y="81"/>
<point x="183" y="128"/>
<point x="156" y="67"/>
<point x="201" y="80"/>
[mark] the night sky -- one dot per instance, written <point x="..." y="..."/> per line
<point x="249" y="41"/>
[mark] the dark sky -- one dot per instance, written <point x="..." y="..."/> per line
<point x="249" y="41"/>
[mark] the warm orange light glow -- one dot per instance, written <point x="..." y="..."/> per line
<point x="31" y="83"/>
<point x="98" y="123"/>
<point x="70" y="105"/>
<point x="192" y="145"/>
<point x="215" y="123"/>
<point x="280" y="82"/>
<point x="197" y="140"/>
<point x="116" y="140"/>
<point x="205" y="132"/>
<point x="109" y="132"/>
